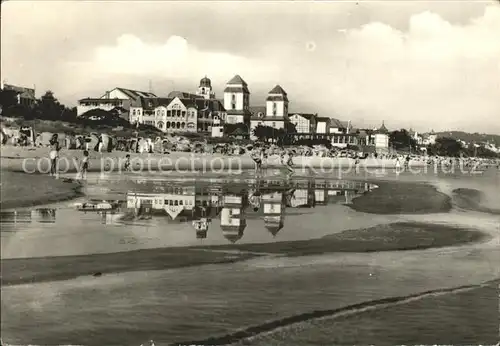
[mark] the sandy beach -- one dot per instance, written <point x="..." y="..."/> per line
<point x="428" y="224"/>
<point x="36" y="160"/>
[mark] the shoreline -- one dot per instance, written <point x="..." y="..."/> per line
<point x="246" y="335"/>
<point x="399" y="236"/>
<point x="36" y="160"/>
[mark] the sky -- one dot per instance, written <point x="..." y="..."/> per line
<point x="412" y="64"/>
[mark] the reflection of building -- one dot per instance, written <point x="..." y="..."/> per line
<point x="343" y="192"/>
<point x="232" y="219"/>
<point x="320" y="193"/>
<point x="42" y="215"/>
<point x="303" y="196"/>
<point x="274" y="211"/>
<point x="179" y="201"/>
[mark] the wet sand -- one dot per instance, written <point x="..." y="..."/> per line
<point x="392" y="237"/>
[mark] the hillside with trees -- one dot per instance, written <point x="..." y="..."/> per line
<point x="471" y="137"/>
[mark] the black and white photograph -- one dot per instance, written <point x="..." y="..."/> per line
<point x="260" y="173"/>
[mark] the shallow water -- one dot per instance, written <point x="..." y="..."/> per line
<point x="199" y="302"/>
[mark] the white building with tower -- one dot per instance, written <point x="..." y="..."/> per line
<point x="237" y="101"/>
<point x="276" y="111"/>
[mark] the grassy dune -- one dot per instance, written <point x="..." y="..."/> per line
<point x="25" y="190"/>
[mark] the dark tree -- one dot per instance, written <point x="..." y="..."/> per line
<point x="401" y="140"/>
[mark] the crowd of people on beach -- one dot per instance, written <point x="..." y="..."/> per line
<point x="258" y="151"/>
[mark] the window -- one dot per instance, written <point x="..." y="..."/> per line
<point x="169" y="113"/>
<point x="183" y="113"/>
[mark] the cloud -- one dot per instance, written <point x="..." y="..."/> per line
<point x="425" y="65"/>
<point x="176" y="59"/>
<point x="435" y="74"/>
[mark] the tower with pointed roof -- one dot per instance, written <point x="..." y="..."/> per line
<point x="276" y="111"/>
<point x="205" y="89"/>
<point x="237" y="101"/>
<point x="277" y="103"/>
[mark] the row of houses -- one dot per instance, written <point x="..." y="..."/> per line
<point x="202" y="112"/>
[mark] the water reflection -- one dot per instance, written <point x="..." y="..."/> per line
<point x="40" y="215"/>
<point x="203" y="205"/>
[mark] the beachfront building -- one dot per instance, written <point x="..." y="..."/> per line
<point x="381" y="139"/>
<point x="430" y="138"/>
<point x="274" y="211"/>
<point x="181" y="112"/>
<point x="117" y="98"/>
<point x="275" y="113"/>
<point x="304" y="122"/>
<point x="25" y="96"/>
<point x="232" y="217"/>
<point x="322" y="125"/>
<point x="237" y="101"/>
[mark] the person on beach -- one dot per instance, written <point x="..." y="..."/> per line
<point x="85" y="164"/>
<point x="287" y="160"/>
<point x="126" y="166"/>
<point x="257" y="156"/>
<point x="356" y="164"/>
<point x="407" y="162"/>
<point x="54" y="154"/>
<point x="398" y="165"/>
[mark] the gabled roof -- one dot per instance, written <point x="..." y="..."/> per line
<point x="153" y="102"/>
<point x="336" y="123"/>
<point x="307" y="116"/>
<point x="184" y="95"/>
<point x="237" y="80"/>
<point x="134" y="94"/>
<point x="277" y="90"/>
